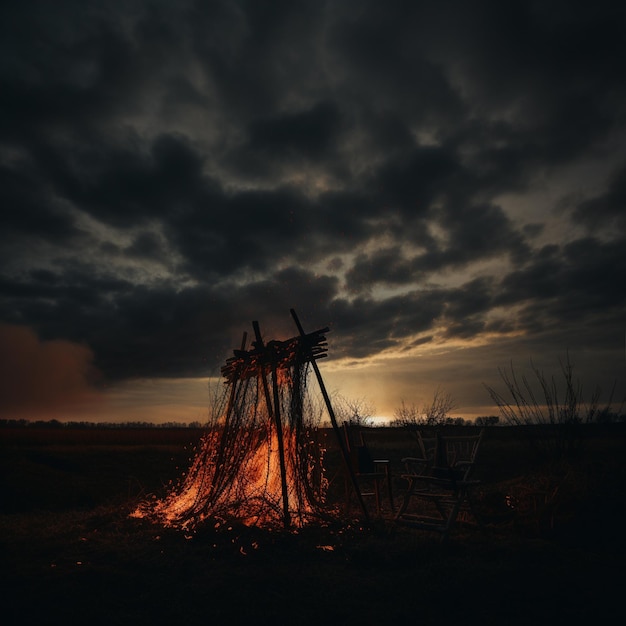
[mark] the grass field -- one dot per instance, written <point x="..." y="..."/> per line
<point x="70" y="553"/>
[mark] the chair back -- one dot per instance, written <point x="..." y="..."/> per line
<point x="360" y="457"/>
<point x="455" y="455"/>
<point x="428" y="448"/>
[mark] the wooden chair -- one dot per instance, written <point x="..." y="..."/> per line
<point x="369" y="470"/>
<point x="439" y="479"/>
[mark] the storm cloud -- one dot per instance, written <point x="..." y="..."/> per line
<point x="411" y="175"/>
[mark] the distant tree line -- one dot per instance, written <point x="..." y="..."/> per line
<point x="54" y="423"/>
<point x="487" y="420"/>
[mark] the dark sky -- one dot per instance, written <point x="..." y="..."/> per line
<point x="441" y="183"/>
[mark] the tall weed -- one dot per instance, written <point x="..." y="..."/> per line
<point x="553" y="411"/>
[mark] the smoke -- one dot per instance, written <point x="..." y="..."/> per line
<point x="41" y="379"/>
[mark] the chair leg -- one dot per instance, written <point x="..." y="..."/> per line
<point x="377" y="495"/>
<point x="390" y="490"/>
<point x="405" y="500"/>
<point x="475" y="515"/>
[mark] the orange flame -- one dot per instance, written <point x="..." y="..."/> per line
<point x="254" y="495"/>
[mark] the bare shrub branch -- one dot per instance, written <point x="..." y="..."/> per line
<point x="562" y="407"/>
<point x="435" y="413"/>
<point x="354" y="411"/>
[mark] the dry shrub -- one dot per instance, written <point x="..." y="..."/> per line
<point x="552" y="413"/>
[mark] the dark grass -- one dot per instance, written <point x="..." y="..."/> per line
<point x="70" y="554"/>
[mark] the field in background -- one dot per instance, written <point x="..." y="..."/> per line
<point x="552" y="550"/>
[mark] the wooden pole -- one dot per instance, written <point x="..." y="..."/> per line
<point x="277" y="419"/>
<point x="342" y="445"/>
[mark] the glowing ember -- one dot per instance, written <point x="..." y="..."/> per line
<point x="253" y="492"/>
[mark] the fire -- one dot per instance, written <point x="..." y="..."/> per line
<point x="252" y="492"/>
<point x="259" y="462"/>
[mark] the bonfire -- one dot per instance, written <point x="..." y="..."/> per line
<point x="260" y="461"/>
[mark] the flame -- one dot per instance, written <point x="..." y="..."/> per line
<point x="247" y="486"/>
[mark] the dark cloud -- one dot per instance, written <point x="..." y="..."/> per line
<point x="123" y="185"/>
<point x="146" y="245"/>
<point x="480" y="232"/>
<point x="176" y="332"/>
<point x="387" y="266"/>
<point x="606" y="211"/>
<point x="63" y="67"/>
<point x="365" y="326"/>
<point x="413" y="181"/>
<point x="171" y="171"/>
<point x="474" y="233"/>
<point x="575" y="285"/>
<point x="30" y="209"/>
<point x="311" y="134"/>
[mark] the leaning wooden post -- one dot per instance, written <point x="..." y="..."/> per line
<point x="277" y="419"/>
<point x="342" y="446"/>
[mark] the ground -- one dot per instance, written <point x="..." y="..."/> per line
<point x="71" y="554"/>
